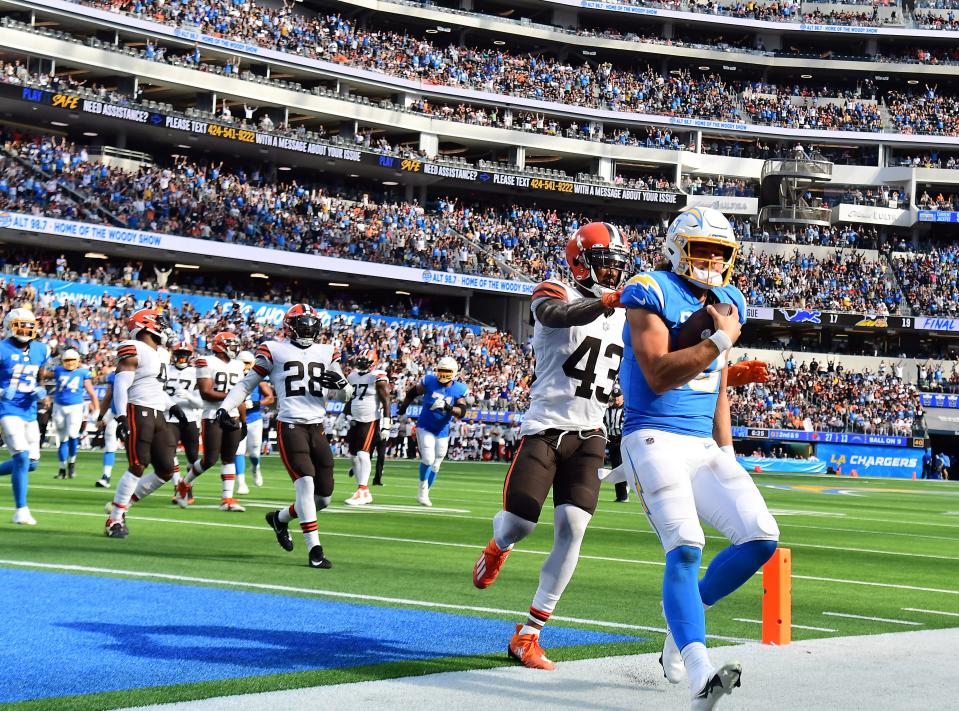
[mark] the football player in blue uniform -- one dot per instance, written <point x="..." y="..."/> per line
<point x="69" y="412"/>
<point x="444" y="397"/>
<point x="22" y="369"/>
<point x="107" y="421"/>
<point x="677" y="442"/>
<point x="251" y="445"/>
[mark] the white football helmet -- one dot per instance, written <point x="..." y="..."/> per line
<point x="701" y="225"/>
<point x="21" y="324"/>
<point x="446" y="370"/>
<point x="70" y="359"/>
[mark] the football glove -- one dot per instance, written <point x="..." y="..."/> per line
<point x="611" y="299"/>
<point x="177" y="412"/>
<point x="385" y="425"/>
<point x="244" y="430"/>
<point x="331" y="380"/>
<point x="746" y="372"/>
<point x="225" y="421"/>
<point x="123" y="431"/>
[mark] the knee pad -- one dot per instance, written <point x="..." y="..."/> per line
<point x="570" y="522"/>
<point x="322" y="502"/>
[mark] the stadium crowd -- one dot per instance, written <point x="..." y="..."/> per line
<point x="930" y="279"/>
<point x="828" y="399"/>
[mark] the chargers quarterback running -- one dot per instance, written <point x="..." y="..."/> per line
<point x="70" y="382"/>
<point x="578" y="344"/>
<point x="677" y="442"/>
<point x="22" y="360"/>
<point x="302" y="371"/>
<point x="444" y="397"/>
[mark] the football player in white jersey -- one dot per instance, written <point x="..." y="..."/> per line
<point x="215" y="376"/>
<point x="302" y="372"/>
<point x="142" y="403"/>
<point x="370" y="410"/>
<point x="184" y="416"/>
<point x="578" y="344"/>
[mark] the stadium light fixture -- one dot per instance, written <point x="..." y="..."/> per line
<point x="499" y="42"/>
<point x="703" y="68"/>
<point x="338" y="284"/>
<point x="183" y="145"/>
<point x="91" y="134"/>
<point x="59" y="123"/>
<point x="402" y="293"/>
<point x="913" y="81"/>
<point x="186" y="266"/>
<point x="352" y="175"/>
<point x="390" y="182"/>
<point x="432" y="31"/>
<point x="805" y="76"/>
<point x="284" y="167"/>
<point x="259" y="275"/>
<point x="95" y="255"/>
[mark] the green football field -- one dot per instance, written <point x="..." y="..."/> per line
<point x="869" y="556"/>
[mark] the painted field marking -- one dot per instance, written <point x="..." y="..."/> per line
<point x="630" y="561"/>
<point x="873" y="619"/>
<point x="798" y="627"/>
<point x="337" y="594"/>
<point x="931" y="612"/>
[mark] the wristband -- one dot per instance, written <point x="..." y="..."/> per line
<point x="722" y="341"/>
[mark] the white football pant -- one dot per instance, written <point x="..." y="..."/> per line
<point x="67" y="419"/>
<point x="681" y="480"/>
<point x="432" y="448"/>
<point x="21" y="435"/>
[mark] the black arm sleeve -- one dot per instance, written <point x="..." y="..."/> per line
<point x="556" y="313"/>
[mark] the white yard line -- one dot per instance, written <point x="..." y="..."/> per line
<point x="511" y="614"/>
<point x="415" y="541"/>
<point x="931" y="612"/>
<point x="798" y="627"/>
<point x="873" y="619"/>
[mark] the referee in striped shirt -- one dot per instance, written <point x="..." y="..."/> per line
<point x="613" y="419"/>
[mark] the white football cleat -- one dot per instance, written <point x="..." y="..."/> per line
<point x="722" y="682"/>
<point x="22" y="516"/>
<point x="423" y="497"/>
<point x="361" y="497"/>
<point x="243" y="489"/>
<point x="257" y="477"/>
<point x="671" y="660"/>
<point x="231" y="505"/>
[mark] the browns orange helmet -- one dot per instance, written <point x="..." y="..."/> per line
<point x="301" y="325"/>
<point x="183" y="353"/>
<point x="598" y="245"/>
<point x="149" y="321"/>
<point x="226" y="343"/>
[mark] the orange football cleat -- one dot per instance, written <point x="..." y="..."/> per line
<point x="489" y="564"/>
<point x="525" y="648"/>
<point x="184" y="494"/>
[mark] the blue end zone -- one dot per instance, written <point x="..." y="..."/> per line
<point x="74" y="634"/>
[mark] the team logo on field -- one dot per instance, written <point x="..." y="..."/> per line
<point x="801" y="315"/>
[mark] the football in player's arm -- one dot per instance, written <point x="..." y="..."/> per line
<point x="677" y="441"/>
